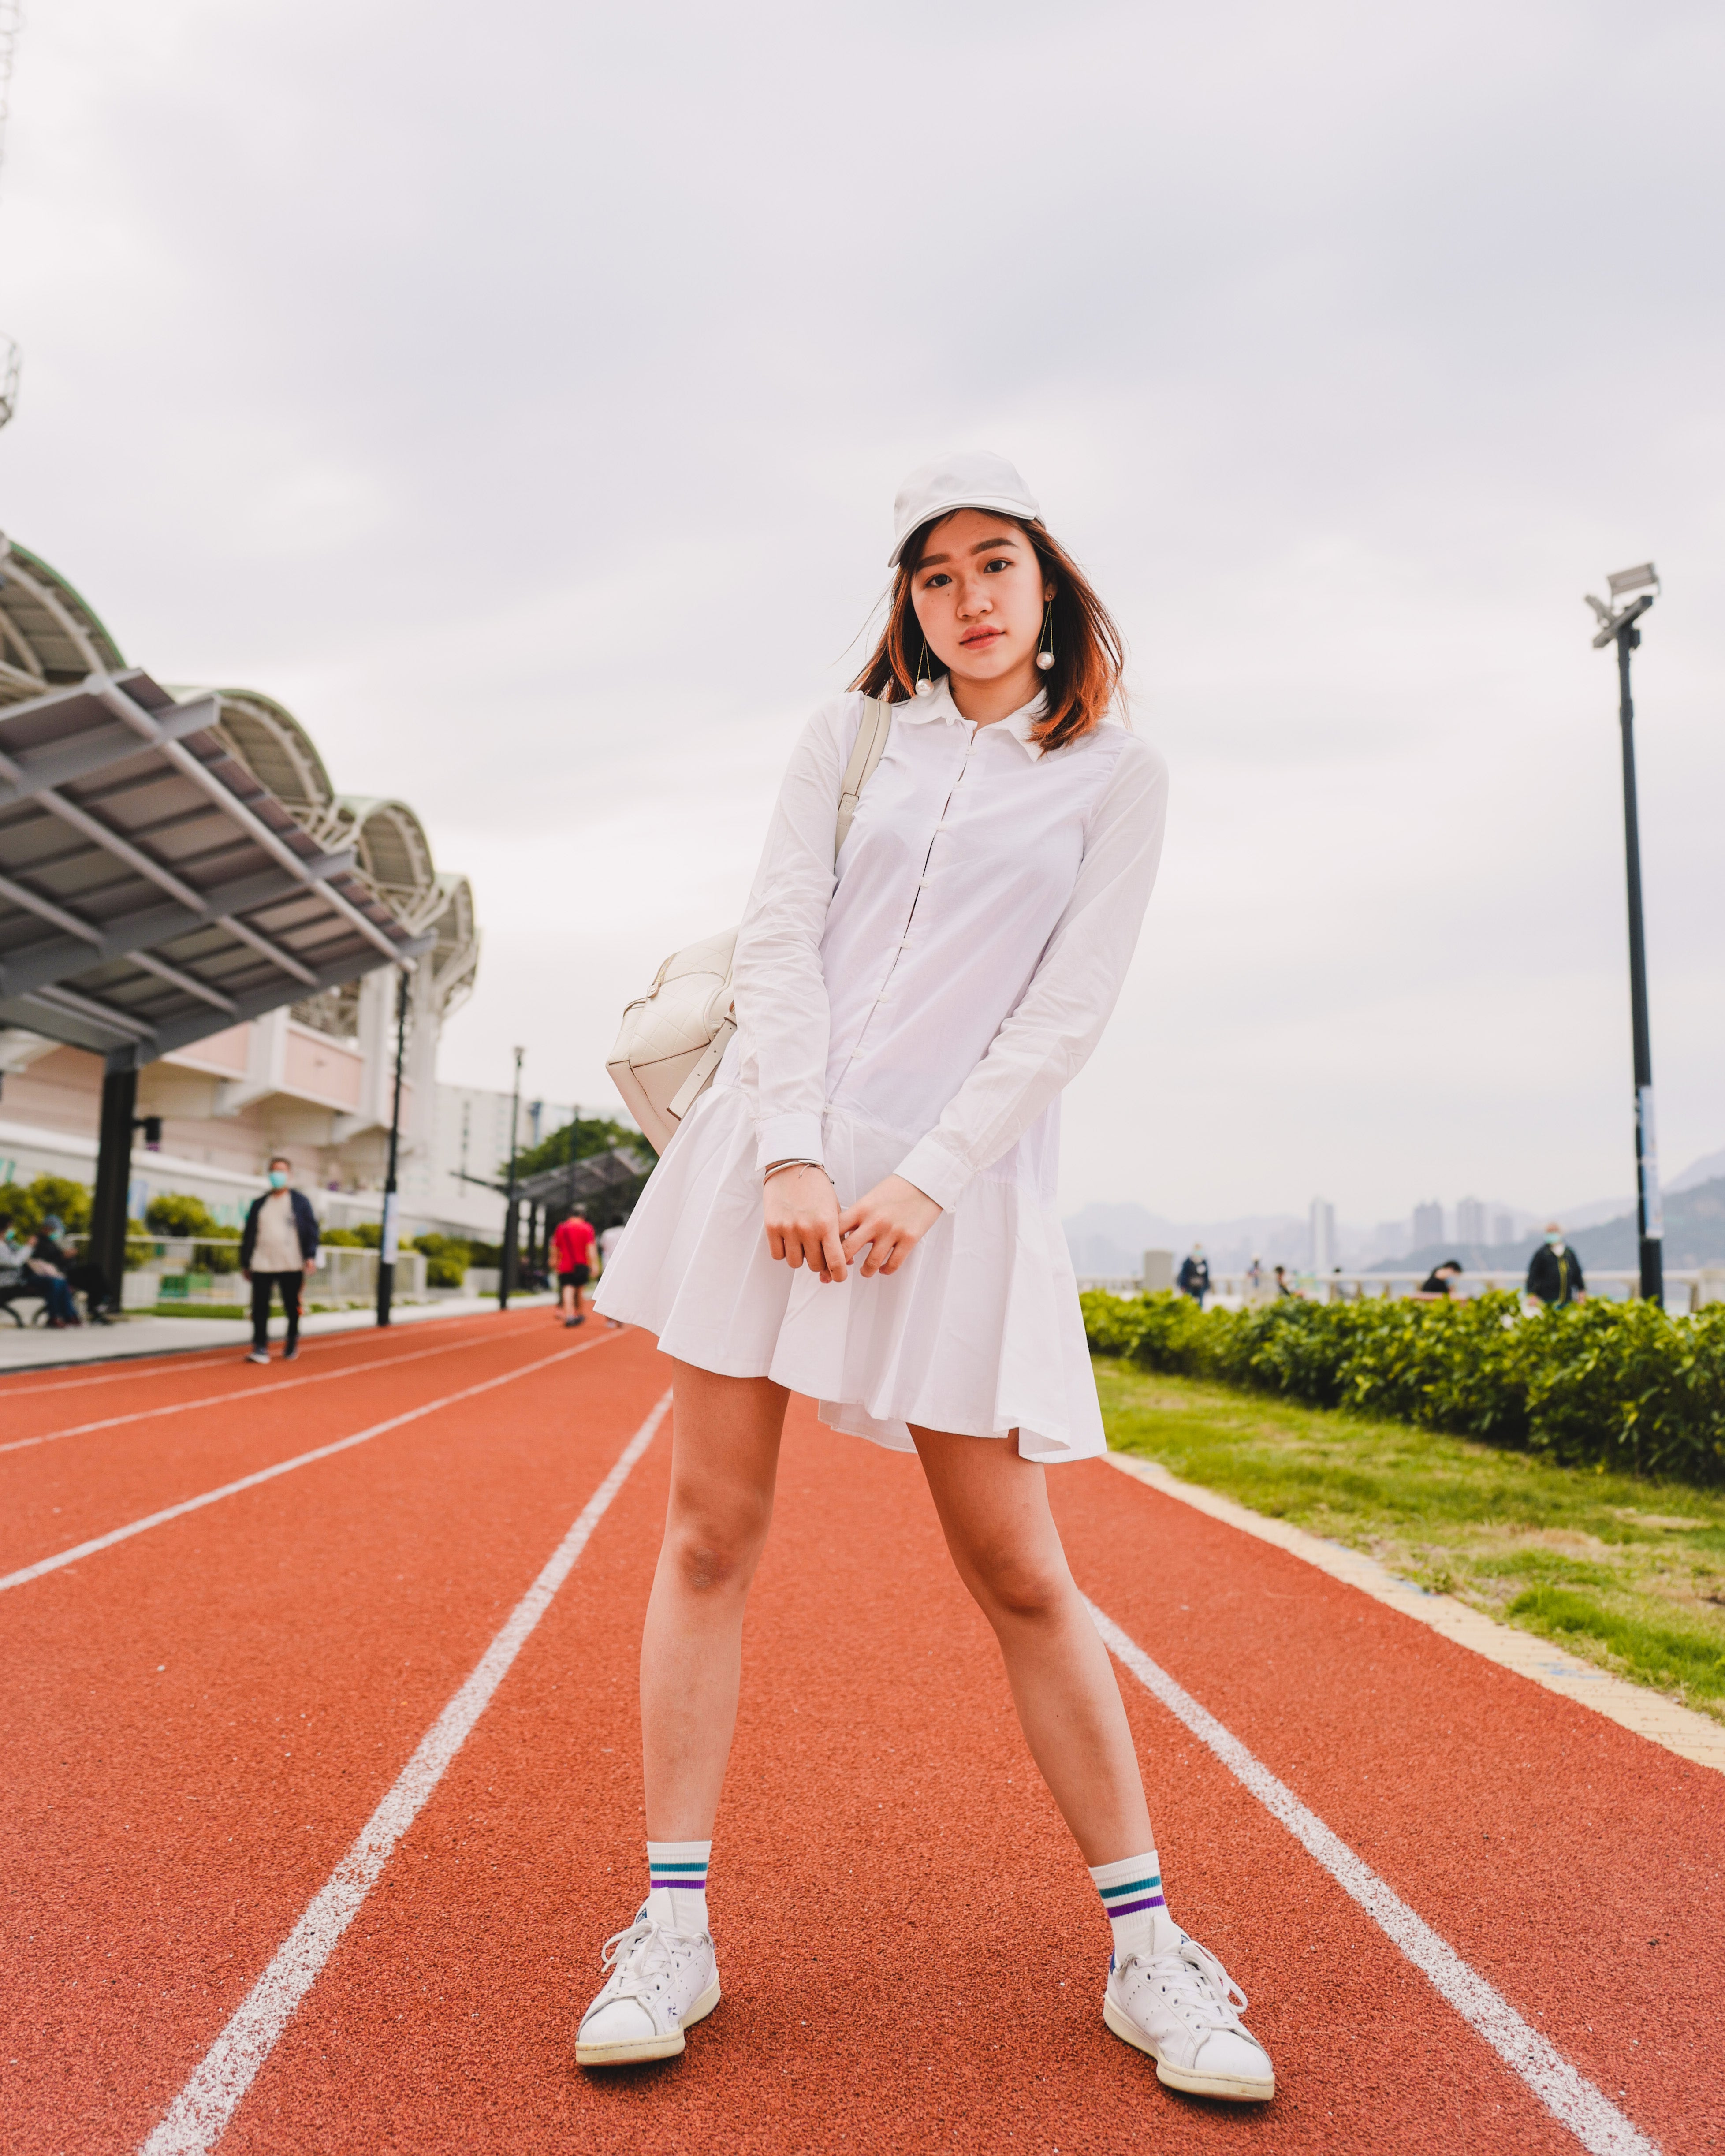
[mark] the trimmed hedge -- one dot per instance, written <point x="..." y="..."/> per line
<point x="1612" y="1384"/>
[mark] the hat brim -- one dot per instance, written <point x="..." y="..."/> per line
<point x="1015" y="509"/>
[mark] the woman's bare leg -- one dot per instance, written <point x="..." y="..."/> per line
<point x="993" y="1510"/>
<point x="724" y="1461"/>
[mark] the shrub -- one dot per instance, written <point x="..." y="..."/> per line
<point x="443" y="1272"/>
<point x="1623" y="1385"/>
<point x="30" y="1204"/>
<point x="176" y="1213"/>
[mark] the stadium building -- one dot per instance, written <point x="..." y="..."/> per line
<point x="200" y="944"/>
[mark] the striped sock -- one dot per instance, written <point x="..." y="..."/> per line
<point x="676" y="1878"/>
<point x="1131" y="1894"/>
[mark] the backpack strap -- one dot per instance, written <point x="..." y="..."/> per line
<point x="870" y="746"/>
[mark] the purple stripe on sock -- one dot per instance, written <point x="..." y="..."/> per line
<point x="682" y="1879"/>
<point x="1132" y="1908"/>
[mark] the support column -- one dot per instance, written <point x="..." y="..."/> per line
<point x="107" y="1247"/>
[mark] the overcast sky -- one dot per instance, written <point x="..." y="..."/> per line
<point x="519" y="394"/>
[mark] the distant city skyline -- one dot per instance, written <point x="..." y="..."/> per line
<point x="1110" y="1238"/>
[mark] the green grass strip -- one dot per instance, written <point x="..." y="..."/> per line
<point x="1623" y="1572"/>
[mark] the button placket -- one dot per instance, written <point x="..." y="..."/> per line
<point x="921" y="884"/>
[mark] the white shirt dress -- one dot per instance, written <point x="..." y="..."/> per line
<point x="918" y="1013"/>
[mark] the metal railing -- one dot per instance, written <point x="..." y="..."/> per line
<point x="205" y="1268"/>
<point x="1685" y="1290"/>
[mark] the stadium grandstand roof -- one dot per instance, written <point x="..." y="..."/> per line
<point x="174" y="863"/>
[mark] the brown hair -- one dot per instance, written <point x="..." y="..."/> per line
<point x="1089" y="654"/>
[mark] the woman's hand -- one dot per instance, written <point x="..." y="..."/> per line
<point x="802" y="1210"/>
<point x="891" y="1221"/>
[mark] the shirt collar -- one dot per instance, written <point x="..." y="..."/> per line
<point x="1021" y="724"/>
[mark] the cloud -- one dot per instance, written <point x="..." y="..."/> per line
<point x="520" y="397"/>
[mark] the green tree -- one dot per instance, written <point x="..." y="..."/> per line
<point x="577" y="1141"/>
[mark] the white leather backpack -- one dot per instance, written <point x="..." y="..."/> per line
<point x="673" y="1038"/>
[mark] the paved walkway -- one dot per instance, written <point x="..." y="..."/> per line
<point x="35" y="1347"/>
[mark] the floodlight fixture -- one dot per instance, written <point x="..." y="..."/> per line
<point x="1611" y="619"/>
<point x="1618" y="626"/>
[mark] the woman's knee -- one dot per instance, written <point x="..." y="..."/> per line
<point x="1019" y="1586"/>
<point x="715" y="1547"/>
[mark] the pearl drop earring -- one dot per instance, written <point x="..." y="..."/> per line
<point x="1045" y="658"/>
<point x="925" y="687"/>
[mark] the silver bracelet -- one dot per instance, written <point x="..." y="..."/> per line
<point x="779" y="1167"/>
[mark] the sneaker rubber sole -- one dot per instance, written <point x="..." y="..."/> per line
<point x="647" y="2048"/>
<point x="1229" y="2087"/>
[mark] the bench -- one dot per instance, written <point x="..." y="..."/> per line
<point x="17" y="1286"/>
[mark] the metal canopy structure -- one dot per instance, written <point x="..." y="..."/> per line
<point x="578" y="1182"/>
<point x="152" y="890"/>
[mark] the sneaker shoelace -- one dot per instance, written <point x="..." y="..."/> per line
<point x="638" y="1958"/>
<point x="1196" y="1985"/>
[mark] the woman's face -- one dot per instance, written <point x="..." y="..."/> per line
<point x="979" y="593"/>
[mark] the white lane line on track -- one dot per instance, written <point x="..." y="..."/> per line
<point x="250" y="1392"/>
<point x="200" y="2113"/>
<point x="1571" y="2100"/>
<point x="169" y="1362"/>
<point x="78" y="1550"/>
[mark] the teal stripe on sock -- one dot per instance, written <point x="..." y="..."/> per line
<point x="1129" y="1887"/>
<point x="678" y="1867"/>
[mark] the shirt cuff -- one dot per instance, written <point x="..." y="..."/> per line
<point x="788" y="1137"/>
<point x="936" y="1171"/>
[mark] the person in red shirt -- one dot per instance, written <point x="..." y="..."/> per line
<point x="572" y="1247"/>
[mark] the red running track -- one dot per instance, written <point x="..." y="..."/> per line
<point x="199" y="1720"/>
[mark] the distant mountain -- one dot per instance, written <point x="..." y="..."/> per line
<point x="1694" y="1235"/>
<point x="1694" y="1231"/>
<point x="1573" y="1218"/>
<point x="1706" y="1170"/>
<point x="1113" y="1239"/>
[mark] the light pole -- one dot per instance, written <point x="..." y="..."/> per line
<point x="505" y="1269"/>
<point x="387" y="1248"/>
<point x="1617" y="625"/>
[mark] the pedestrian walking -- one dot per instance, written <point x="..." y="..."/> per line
<point x="277" y="1247"/>
<point x="1195" y="1275"/>
<point x="1554" y="1272"/>
<point x="572" y="1246"/>
<point x="862" y="1207"/>
<point x="1284" y="1286"/>
<point x="1441" y="1280"/>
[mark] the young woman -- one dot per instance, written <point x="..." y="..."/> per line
<point x="862" y="1207"/>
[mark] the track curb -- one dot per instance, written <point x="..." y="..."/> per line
<point x="1662" y="1721"/>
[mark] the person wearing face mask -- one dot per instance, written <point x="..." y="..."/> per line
<point x="1554" y="1275"/>
<point x="277" y="1251"/>
<point x="1195" y="1276"/>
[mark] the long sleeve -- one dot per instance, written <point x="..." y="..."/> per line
<point x="781" y="991"/>
<point x="1049" y="1036"/>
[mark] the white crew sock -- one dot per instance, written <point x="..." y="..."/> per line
<point x="676" y="1881"/>
<point x="1131" y="1894"/>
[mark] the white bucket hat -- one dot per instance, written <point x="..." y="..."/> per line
<point x="967" y="478"/>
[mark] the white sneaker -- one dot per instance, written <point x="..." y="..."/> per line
<point x="257" y="1355"/>
<point x="661" y="1982"/>
<point x="1183" y="2009"/>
